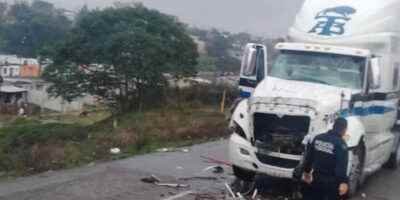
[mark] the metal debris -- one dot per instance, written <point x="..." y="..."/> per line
<point x="254" y="196"/>
<point x="206" y="178"/>
<point x="151" y="179"/>
<point x="230" y="191"/>
<point x="156" y="181"/>
<point x="215" y="169"/>
<point x="173" y="185"/>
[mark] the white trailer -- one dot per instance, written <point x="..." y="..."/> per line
<point x="342" y="58"/>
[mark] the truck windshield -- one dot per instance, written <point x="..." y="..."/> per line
<point x="323" y="68"/>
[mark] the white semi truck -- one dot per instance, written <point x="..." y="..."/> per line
<point x="341" y="58"/>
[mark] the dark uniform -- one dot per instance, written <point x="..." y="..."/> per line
<point x="327" y="156"/>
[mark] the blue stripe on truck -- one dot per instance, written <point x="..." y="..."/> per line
<point x="361" y="111"/>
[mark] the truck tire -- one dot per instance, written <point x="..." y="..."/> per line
<point x="356" y="176"/>
<point x="244" y="182"/>
<point x="243" y="187"/>
<point x="394" y="160"/>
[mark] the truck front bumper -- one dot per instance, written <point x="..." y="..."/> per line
<point x="243" y="155"/>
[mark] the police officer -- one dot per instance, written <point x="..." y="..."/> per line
<point x="325" y="165"/>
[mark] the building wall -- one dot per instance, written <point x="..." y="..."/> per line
<point x="10" y="71"/>
<point x="37" y="94"/>
<point x="29" y="71"/>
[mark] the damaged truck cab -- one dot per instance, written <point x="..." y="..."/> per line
<point x="341" y="59"/>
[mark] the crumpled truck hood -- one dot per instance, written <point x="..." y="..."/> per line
<point x="323" y="98"/>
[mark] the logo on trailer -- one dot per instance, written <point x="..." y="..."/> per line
<point x="331" y="21"/>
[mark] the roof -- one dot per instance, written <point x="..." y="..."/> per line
<point x="323" y="49"/>
<point x="11" y="89"/>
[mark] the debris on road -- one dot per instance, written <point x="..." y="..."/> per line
<point x="165" y="150"/>
<point x="156" y="181"/>
<point x="206" y="178"/>
<point x="180" y="195"/>
<point x="215" y="169"/>
<point x="230" y="190"/>
<point x="364" y="196"/>
<point x="115" y="151"/>
<point x="151" y="179"/>
<point x="173" y="185"/>
<point x="216" y="161"/>
<point x="185" y="150"/>
<point x="254" y="196"/>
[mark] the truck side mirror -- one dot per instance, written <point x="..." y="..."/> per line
<point x="249" y="62"/>
<point x="254" y="68"/>
<point x="375" y="73"/>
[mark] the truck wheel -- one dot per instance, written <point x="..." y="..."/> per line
<point x="244" y="182"/>
<point x="394" y="160"/>
<point x="243" y="187"/>
<point x="356" y="177"/>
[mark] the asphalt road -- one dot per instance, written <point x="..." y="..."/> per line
<point x="121" y="180"/>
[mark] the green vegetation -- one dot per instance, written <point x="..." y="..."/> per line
<point x="30" y="146"/>
<point x="121" y="55"/>
<point x="53" y="141"/>
<point x="31" y="29"/>
<point x="223" y="49"/>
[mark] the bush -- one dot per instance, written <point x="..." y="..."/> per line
<point x="28" y="145"/>
<point x="20" y="135"/>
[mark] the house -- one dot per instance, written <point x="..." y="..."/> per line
<point x="10" y="71"/>
<point x="13" y="66"/>
<point x="12" y="98"/>
<point x="29" y="71"/>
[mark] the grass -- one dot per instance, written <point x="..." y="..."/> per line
<point x="52" y="142"/>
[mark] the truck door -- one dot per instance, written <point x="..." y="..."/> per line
<point x="254" y="68"/>
<point x="379" y="115"/>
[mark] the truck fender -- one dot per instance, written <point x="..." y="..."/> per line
<point x="396" y="142"/>
<point x="241" y="118"/>
<point x="355" y="132"/>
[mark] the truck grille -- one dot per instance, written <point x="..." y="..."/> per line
<point x="280" y="133"/>
<point x="277" y="162"/>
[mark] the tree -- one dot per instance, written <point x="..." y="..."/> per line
<point x="31" y="29"/>
<point x="223" y="47"/>
<point x="121" y="54"/>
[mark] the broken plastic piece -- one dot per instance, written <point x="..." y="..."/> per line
<point x="254" y="194"/>
<point x="230" y="190"/>
<point x="364" y="196"/>
<point x="185" y="150"/>
<point x="115" y="150"/>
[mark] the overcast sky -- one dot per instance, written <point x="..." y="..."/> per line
<point x="260" y="17"/>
